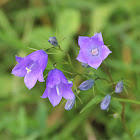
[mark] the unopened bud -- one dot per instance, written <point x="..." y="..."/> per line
<point x="53" y="41"/>
<point x="85" y="65"/>
<point x="86" y="84"/>
<point x="119" y="87"/>
<point x="115" y="115"/>
<point x="105" y="102"/>
<point x="69" y="104"/>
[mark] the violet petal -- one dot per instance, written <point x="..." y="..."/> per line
<point x="45" y="94"/>
<point x="19" y="59"/>
<point x="54" y="97"/>
<point x="30" y="78"/>
<point x="66" y="91"/>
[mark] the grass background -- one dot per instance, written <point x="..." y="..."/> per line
<point x="30" y="23"/>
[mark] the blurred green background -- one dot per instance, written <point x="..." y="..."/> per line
<point x="30" y="23"/>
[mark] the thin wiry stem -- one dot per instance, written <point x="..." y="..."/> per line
<point x="124" y="123"/>
<point x="68" y="56"/>
<point x="102" y="79"/>
<point x="123" y="105"/>
<point x="32" y="48"/>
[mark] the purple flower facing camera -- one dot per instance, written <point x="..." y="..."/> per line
<point x="92" y="50"/>
<point x="31" y="67"/>
<point x="57" y="86"/>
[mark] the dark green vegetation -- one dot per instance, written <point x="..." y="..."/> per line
<point x="30" y="23"/>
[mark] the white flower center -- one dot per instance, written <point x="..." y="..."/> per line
<point x="94" y="51"/>
<point x="57" y="90"/>
<point x="29" y="69"/>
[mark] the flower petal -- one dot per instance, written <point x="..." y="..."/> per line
<point x="58" y="76"/>
<point x="45" y="94"/>
<point x="41" y="78"/>
<point x="81" y="57"/>
<point x="66" y="91"/>
<point x="20" y="69"/>
<point x="83" y="41"/>
<point x="19" y="59"/>
<point x="30" y="78"/>
<point x="105" y="52"/>
<point x="53" y="96"/>
<point x="55" y="76"/>
<point x="49" y="81"/>
<point x="40" y="57"/>
<point x="98" y="36"/>
<point x="95" y="63"/>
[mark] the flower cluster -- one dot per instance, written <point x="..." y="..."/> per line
<point x="92" y="53"/>
<point x="32" y="67"/>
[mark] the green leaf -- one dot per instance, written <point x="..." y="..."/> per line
<point x="5" y="25"/>
<point x="126" y="100"/>
<point x="94" y="101"/>
<point x="39" y="37"/>
<point x="41" y="116"/>
<point x="12" y="41"/>
<point x="116" y="106"/>
<point x="122" y="66"/>
<point x="99" y="17"/>
<point x="67" y="25"/>
<point x="22" y="121"/>
<point x="68" y="22"/>
<point x="4" y="81"/>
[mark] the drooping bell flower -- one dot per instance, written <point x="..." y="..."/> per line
<point x="92" y="50"/>
<point x="57" y="86"/>
<point x="53" y="41"/>
<point x="69" y="104"/>
<point x="86" y="84"/>
<point x="31" y="67"/>
<point x="119" y="87"/>
<point x="105" y="102"/>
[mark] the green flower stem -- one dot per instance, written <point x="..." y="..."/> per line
<point x="68" y="56"/>
<point x="99" y="78"/>
<point x="124" y="123"/>
<point x="80" y="75"/>
<point x="108" y="72"/>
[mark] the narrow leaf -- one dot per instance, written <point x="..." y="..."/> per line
<point x="126" y="100"/>
<point x="95" y="100"/>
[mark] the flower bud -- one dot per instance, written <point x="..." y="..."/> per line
<point x="105" y="102"/>
<point x="85" y="65"/>
<point x="53" y="41"/>
<point x="86" y="84"/>
<point x="119" y="87"/>
<point x="115" y="115"/>
<point x="69" y="104"/>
